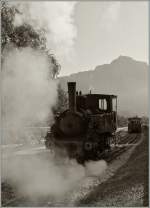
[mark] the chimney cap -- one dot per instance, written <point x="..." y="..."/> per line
<point x="71" y="82"/>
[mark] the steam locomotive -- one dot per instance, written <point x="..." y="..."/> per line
<point x="86" y="128"/>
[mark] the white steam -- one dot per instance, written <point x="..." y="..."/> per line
<point x="28" y="92"/>
<point x="56" y="18"/>
<point x="95" y="168"/>
<point x="39" y="177"/>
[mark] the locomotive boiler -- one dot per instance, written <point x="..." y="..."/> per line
<point x="86" y="128"/>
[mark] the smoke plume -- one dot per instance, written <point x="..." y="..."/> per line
<point x="28" y="92"/>
<point x="40" y="177"/>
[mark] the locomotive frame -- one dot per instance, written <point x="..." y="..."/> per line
<point x="86" y="128"/>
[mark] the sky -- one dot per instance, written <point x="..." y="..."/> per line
<point x="104" y="31"/>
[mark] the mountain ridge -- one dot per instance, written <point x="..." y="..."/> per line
<point x="118" y="58"/>
<point x="124" y="77"/>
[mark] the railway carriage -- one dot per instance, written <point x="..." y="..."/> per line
<point x="134" y="125"/>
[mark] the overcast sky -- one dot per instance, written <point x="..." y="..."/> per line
<point x="105" y="30"/>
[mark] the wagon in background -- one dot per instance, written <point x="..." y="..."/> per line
<point x="134" y="125"/>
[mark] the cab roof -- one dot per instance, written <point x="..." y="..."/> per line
<point x="134" y="118"/>
<point x="99" y="96"/>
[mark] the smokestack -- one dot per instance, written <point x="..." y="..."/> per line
<point x="72" y="96"/>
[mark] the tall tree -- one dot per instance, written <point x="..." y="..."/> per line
<point x="23" y="36"/>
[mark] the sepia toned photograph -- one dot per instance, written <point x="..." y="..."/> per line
<point x="74" y="103"/>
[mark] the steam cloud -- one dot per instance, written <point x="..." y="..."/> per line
<point x="40" y="177"/>
<point x="28" y="92"/>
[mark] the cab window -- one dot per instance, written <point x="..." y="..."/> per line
<point x="102" y="104"/>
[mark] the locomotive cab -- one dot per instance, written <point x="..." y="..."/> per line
<point x="97" y="103"/>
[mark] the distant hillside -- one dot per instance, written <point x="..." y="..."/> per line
<point x="124" y="77"/>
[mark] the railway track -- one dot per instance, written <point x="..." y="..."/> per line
<point x="124" y="143"/>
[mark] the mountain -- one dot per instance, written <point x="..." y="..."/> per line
<point x="124" y="77"/>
